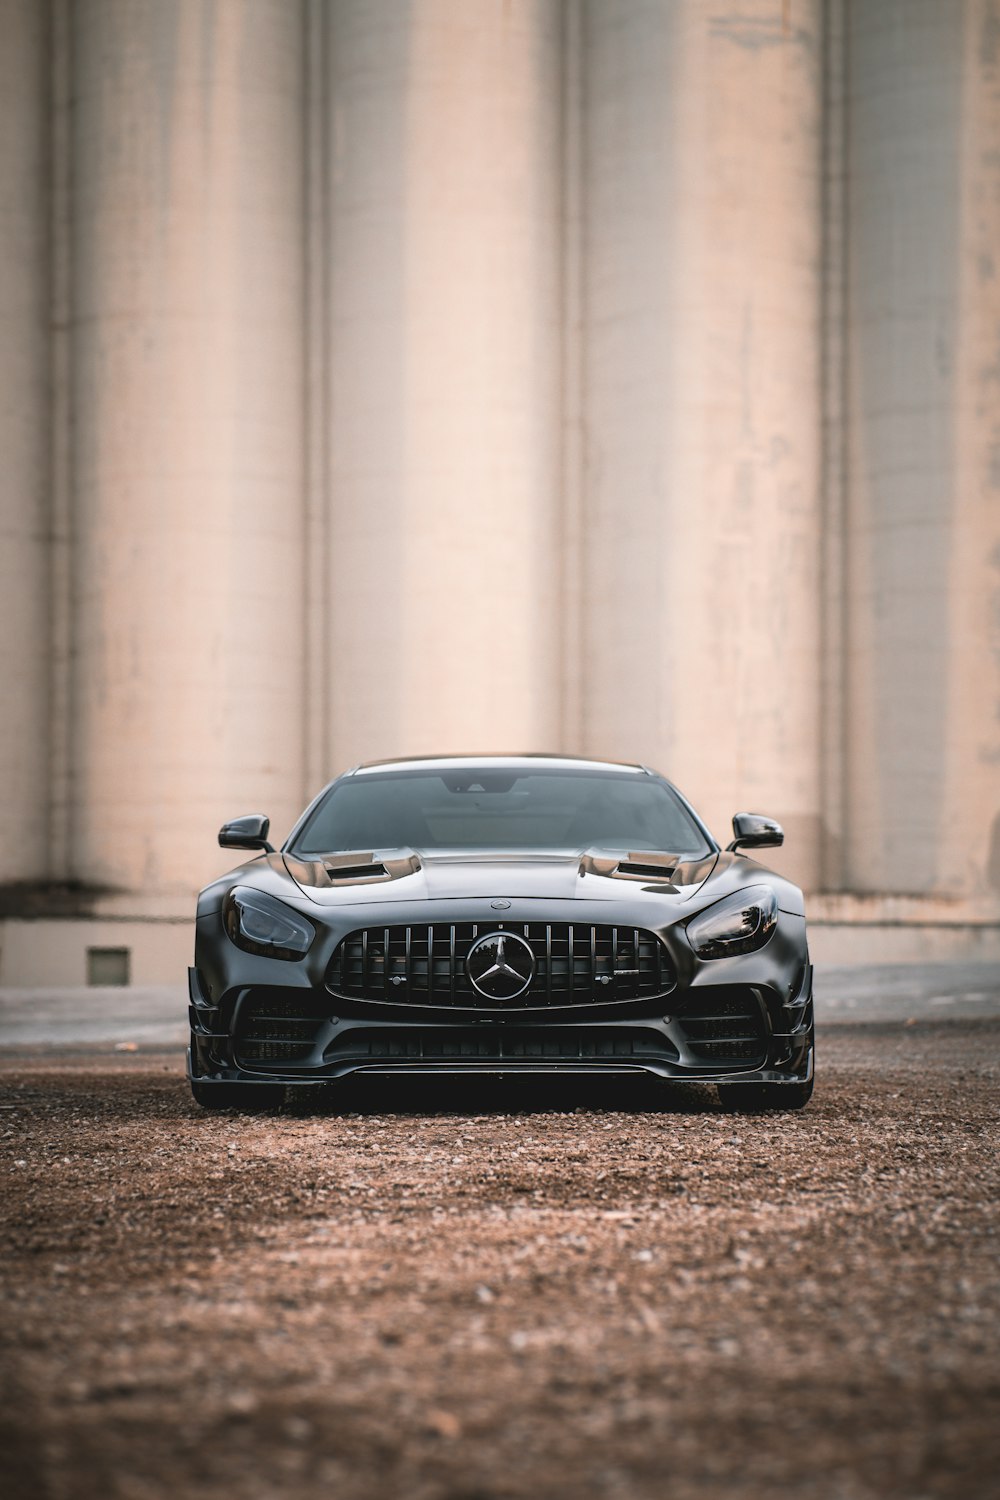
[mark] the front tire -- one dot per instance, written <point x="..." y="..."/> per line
<point x="251" y="1098"/>
<point x="755" y="1098"/>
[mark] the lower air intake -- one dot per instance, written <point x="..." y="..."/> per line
<point x="724" y="1026"/>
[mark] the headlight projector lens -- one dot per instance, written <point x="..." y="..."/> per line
<point x="261" y="924"/>
<point x="741" y="923"/>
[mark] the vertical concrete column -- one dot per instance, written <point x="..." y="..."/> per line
<point x="24" y="352"/>
<point x="187" y="379"/>
<point x="833" y="341"/>
<point x="444" y="344"/>
<point x="923" y="732"/>
<point x="968" y="839"/>
<point x="703" y="255"/>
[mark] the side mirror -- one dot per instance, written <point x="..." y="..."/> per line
<point x="246" y="833"/>
<point x="755" y="832"/>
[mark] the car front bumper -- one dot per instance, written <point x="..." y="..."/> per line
<point x="715" y="1033"/>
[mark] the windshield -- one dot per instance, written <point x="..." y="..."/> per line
<point x="501" y="810"/>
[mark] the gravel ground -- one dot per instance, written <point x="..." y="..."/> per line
<point x="563" y="1298"/>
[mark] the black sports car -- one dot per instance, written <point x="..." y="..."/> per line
<point x="501" y="915"/>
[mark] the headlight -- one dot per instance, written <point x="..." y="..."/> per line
<point x="739" y="924"/>
<point x="261" y="924"/>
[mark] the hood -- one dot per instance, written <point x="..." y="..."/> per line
<point x="412" y="875"/>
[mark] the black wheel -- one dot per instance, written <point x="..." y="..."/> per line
<point x="754" y="1098"/>
<point x="250" y="1097"/>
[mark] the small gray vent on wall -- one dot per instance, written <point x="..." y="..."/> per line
<point x="108" y="965"/>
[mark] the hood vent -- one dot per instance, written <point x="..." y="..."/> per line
<point x="374" y="871"/>
<point x="642" y="871"/>
<point x="351" y="868"/>
<point x="644" y="865"/>
<point x="354" y="867"/>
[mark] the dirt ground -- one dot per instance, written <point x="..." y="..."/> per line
<point x="457" y="1296"/>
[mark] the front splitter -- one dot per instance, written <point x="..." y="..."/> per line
<point x="661" y="1072"/>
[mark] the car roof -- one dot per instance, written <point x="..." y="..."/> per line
<point x="530" y="761"/>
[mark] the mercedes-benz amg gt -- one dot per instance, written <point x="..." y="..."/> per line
<point x="507" y="916"/>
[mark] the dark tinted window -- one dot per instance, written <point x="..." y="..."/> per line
<point x="498" y="809"/>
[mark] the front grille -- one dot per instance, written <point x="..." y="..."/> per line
<point x="293" y="1041"/>
<point x="721" y="1027"/>
<point x="724" y="1025"/>
<point x="574" y="965"/>
<point x="278" y="1026"/>
<point x="573" y="1044"/>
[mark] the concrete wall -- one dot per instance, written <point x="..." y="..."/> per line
<point x="186" y="411"/>
<point x="384" y="376"/>
<point x="24" y="438"/>
<point x="443" y="418"/>
<point x="922" y="650"/>
<point x="702" y="432"/>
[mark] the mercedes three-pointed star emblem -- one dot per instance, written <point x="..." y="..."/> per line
<point x="500" y="965"/>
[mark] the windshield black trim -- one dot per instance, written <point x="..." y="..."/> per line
<point x="290" y="845"/>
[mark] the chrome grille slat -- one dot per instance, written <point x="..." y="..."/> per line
<point x="451" y="967"/>
<point x="575" y="964"/>
<point x="430" y="962"/>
